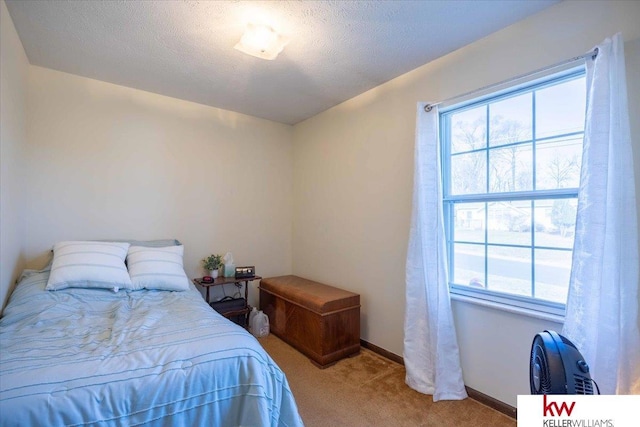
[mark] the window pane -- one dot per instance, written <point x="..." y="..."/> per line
<point x="509" y="270"/>
<point x="469" y="173"/>
<point x="468" y="265"/>
<point x="560" y="108"/>
<point x="552" y="275"/>
<point x="511" y="120"/>
<point x="469" y="222"/>
<point x="558" y="163"/>
<point x="528" y="143"/>
<point x="510" y="169"/>
<point x="556" y="222"/>
<point x="510" y="223"/>
<point x="469" y="130"/>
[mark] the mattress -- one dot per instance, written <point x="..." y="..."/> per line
<point x="95" y="357"/>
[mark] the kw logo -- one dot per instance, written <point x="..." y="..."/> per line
<point x="548" y="408"/>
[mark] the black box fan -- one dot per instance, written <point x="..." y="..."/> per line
<point x="557" y="367"/>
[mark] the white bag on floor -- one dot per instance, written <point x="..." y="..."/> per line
<point x="260" y="325"/>
<point x="252" y="315"/>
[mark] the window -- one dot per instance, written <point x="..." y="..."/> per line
<point x="511" y="170"/>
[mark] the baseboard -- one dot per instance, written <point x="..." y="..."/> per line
<point x="382" y="352"/>
<point x="491" y="402"/>
<point x="473" y="394"/>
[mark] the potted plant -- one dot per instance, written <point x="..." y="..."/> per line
<point x="212" y="263"/>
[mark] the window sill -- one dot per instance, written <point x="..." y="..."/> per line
<point x="508" y="308"/>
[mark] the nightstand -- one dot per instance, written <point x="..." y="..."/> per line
<point x="220" y="281"/>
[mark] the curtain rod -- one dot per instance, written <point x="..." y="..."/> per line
<point x="591" y="54"/>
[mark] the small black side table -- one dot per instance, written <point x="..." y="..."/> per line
<point x="219" y="281"/>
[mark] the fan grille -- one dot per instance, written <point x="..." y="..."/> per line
<point x="540" y="361"/>
<point x="583" y="385"/>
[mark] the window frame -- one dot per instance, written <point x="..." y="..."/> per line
<point x="510" y="302"/>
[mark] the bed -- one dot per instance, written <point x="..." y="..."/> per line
<point x="82" y="356"/>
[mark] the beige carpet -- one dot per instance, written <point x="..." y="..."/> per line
<point x="369" y="390"/>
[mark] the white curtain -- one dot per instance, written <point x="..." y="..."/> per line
<point x="602" y="307"/>
<point x="431" y="355"/>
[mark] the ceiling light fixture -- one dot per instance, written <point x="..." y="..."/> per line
<point x="261" y="41"/>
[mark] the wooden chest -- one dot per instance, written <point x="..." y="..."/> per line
<point x="321" y="321"/>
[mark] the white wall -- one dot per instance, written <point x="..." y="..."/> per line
<point x="13" y="137"/>
<point x="353" y="179"/>
<point x="110" y="162"/>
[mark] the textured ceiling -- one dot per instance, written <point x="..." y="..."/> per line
<point x="184" y="49"/>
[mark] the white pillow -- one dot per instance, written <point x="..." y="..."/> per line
<point x="157" y="268"/>
<point x="78" y="264"/>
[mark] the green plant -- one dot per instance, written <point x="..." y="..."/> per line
<point x="212" y="262"/>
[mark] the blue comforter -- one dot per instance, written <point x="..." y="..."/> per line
<point x="94" y="357"/>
